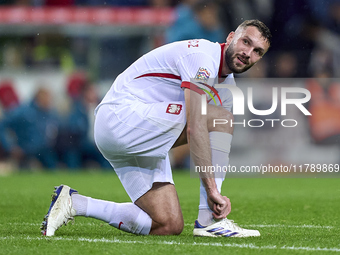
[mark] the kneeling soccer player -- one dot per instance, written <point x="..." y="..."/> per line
<point x="153" y="106"/>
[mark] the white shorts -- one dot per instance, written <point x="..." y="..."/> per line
<point x="136" y="138"/>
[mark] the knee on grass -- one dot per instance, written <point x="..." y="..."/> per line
<point x="170" y="227"/>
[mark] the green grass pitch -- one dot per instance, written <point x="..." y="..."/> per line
<point x="294" y="216"/>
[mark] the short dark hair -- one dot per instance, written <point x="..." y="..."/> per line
<point x="264" y="30"/>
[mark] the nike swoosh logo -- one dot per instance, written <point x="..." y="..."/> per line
<point x="120" y="223"/>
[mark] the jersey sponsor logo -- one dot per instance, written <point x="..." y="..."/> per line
<point x="193" y="43"/>
<point x="174" y="109"/>
<point x="202" y="74"/>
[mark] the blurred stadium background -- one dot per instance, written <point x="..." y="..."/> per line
<point x="59" y="57"/>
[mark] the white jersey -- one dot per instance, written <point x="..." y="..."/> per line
<point x="161" y="74"/>
<point x="143" y="113"/>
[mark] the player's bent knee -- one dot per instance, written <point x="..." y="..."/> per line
<point x="220" y="120"/>
<point x="173" y="228"/>
<point x="174" y="225"/>
<point x="170" y="226"/>
<point x="226" y="115"/>
<point x="176" y="230"/>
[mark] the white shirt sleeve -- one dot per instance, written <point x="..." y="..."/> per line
<point x="197" y="68"/>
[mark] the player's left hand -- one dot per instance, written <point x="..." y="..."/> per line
<point x="220" y="205"/>
<point x="223" y="210"/>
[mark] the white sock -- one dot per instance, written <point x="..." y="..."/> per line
<point x="124" y="216"/>
<point x="79" y="203"/>
<point x="220" y="148"/>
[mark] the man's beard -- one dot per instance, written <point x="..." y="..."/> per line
<point x="228" y="56"/>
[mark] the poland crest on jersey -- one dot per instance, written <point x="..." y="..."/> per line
<point x="202" y="75"/>
<point x="193" y="43"/>
<point x="174" y="109"/>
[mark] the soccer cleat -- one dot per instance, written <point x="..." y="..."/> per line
<point x="60" y="211"/>
<point x="223" y="228"/>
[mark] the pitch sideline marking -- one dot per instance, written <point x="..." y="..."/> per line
<point x="278" y="226"/>
<point x="288" y="226"/>
<point x="233" y="245"/>
<point x="191" y="224"/>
